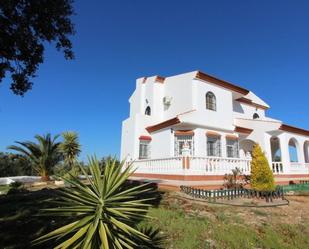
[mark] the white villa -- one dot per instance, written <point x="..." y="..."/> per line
<point x="196" y="127"/>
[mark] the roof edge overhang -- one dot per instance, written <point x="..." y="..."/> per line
<point x="163" y="125"/>
<point x="293" y="129"/>
<point x="225" y="84"/>
<point x="250" y="102"/>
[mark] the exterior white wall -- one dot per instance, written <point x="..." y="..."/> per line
<point x="162" y="144"/>
<point x="180" y="89"/>
<point x="243" y="110"/>
<point x="222" y="118"/>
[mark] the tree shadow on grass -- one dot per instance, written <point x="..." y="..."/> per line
<point x="19" y="219"/>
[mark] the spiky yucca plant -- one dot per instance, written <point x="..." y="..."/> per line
<point x="70" y="147"/>
<point x="107" y="210"/>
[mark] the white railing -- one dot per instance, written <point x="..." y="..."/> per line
<point x="218" y="165"/>
<point x="296" y="167"/>
<point x="277" y="167"/>
<point x="171" y="165"/>
<point x="196" y="166"/>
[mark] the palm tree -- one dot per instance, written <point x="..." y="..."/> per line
<point x="43" y="155"/>
<point x="106" y="211"/>
<point x="70" y="148"/>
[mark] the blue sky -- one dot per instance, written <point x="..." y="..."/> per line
<point x="260" y="45"/>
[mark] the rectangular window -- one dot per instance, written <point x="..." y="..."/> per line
<point x="144" y="149"/>
<point x="179" y="143"/>
<point x="213" y="146"/>
<point x="232" y="148"/>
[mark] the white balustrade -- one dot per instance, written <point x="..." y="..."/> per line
<point x="296" y="167"/>
<point x="171" y="165"/>
<point x="277" y="167"/>
<point x="218" y="165"/>
<point x="209" y="166"/>
<point x="197" y="166"/>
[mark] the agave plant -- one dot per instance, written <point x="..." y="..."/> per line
<point x="106" y="211"/>
<point x="43" y="155"/>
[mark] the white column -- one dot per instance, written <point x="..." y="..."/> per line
<point x="223" y="146"/>
<point x="300" y="151"/>
<point x="267" y="149"/>
<point x="284" y="148"/>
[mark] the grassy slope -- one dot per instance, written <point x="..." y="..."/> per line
<point x="186" y="225"/>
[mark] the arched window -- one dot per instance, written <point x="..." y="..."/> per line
<point x="293" y="150"/>
<point x="211" y="101"/>
<point x="255" y="116"/>
<point x="275" y="149"/>
<point x="148" y="111"/>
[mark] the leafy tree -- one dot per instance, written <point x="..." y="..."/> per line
<point x="107" y="211"/>
<point x="106" y="160"/>
<point x="43" y="155"/>
<point x="70" y="148"/>
<point x="262" y="178"/>
<point x="14" y="165"/>
<point x="25" y="28"/>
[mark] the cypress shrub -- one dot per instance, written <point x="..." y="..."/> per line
<point x="262" y="178"/>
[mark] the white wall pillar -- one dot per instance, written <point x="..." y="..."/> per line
<point x="223" y="146"/>
<point x="300" y="151"/>
<point x="267" y="149"/>
<point x="284" y="148"/>
<point x="200" y="142"/>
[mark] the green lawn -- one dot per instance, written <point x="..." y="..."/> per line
<point x="4" y="189"/>
<point x="185" y="224"/>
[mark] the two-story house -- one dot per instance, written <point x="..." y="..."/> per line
<point x="194" y="126"/>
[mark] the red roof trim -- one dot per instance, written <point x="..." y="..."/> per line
<point x="250" y="102"/>
<point x="242" y="130"/>
<point x="184" y="133"/>
<point x="294" y="129"/>
<point x="160" y="79"/>
<point x="162" y="125"/>
<point x="145" y="138"/>
<point x="222" y="83"/>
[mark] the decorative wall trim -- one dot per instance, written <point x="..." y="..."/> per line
<point x="145" y="138"/>
<point x="232" y="137"/>
<point x="184" y="133"/>
<point x="212" y="134"/>
<point x="243" y="130"/>
<point x="160" y="79"/>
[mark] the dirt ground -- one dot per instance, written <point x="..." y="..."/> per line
<point x="296" y="212"/>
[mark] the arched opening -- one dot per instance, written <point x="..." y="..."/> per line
<point x="246" y="147"/>
<point x="306" y="151"/>
<point x="211" y="101"/>
<point x="293" y="150"/>
<point x="275" y="149"/>
<point x="256" y="116"/>
<point x="148" y="111"/>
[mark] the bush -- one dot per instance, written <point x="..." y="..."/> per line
<point x="16" y="188"/>
<point x="234" y="180"/>
<point x="262" y="178"/>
